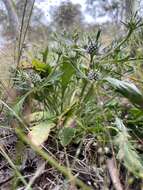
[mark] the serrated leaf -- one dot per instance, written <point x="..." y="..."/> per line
<point x="39" y="133"/>
<point x="40" y="66"/>
<point x="129" y="90"/>
<point x="127" y="151"/>
<point x="66" y="135"/>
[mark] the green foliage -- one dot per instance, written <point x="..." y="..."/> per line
<point x="129" y="90"/>
<point x="66" y="135"/>
<point x="41" y="67"/>
<point x="67" y="70"/>
<point x="74" y="93"/>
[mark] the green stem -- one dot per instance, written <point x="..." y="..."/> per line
<point x="88" y="94"/>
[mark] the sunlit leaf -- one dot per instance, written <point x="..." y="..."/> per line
<point x="41" y="67"/>
<point x="39" y="133"/>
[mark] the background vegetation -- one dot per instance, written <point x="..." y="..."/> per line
<point x="71" y="96"/>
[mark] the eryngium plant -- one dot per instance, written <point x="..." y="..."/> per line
<point x="72" y="89"/>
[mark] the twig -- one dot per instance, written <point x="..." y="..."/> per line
<point x="118" y="46"/>
<point x="6" y="181"/>
<point x="21" y="30"/>
<point x="24" y="35"/>
<point x="114" y="174"/>
<point x="37" y="174"/>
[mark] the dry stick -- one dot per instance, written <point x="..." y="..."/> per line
<point x="77" y="153"/>
<point x="114" y="174"/>
<point x="19" y="46"/>
<point x="38" y="172"/>
<point x="21" y="31"/>
<point x="28" y="22"/>
<point x="6" y="181"/>
<point x="24" y="35"/>
<point x="69" y="169"/>
<point x="119" y="45"/>
<point x="52" y="161"/>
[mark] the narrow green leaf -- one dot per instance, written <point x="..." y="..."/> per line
<point x="67" y="70"/>
<point x="45" y="55"/>
<point x="98" y="35"/>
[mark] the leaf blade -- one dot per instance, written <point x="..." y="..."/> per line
<point x="39" y="133"/>
<point x="128" y="90"/>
